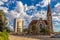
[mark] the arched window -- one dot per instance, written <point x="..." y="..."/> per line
<point x="40" y="26"/>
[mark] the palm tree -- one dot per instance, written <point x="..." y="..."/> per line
<point x="2" y="20"/>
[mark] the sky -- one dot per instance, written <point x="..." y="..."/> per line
<point x="29" y="10"/>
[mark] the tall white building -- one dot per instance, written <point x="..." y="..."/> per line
<point x="18" y="25"/>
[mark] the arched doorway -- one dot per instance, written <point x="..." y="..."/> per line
<point x="40" y="27"/>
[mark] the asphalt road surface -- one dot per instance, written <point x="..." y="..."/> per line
<point x="15" y="37"/>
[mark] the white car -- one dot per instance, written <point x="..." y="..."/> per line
<point x="55" y="36"/>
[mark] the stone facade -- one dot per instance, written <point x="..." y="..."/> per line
<point x="42" y="23"/>
<point x="18" y="25"/>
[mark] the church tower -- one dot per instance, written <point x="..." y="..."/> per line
<point x="49" y="15"/>
<point x="49" y="19"/>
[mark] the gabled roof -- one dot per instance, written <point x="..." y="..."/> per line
<point x="35" y="21"/>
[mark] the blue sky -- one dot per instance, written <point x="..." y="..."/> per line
<point x="28" y="10"/>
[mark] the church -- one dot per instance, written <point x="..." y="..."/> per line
<point x="41" y="24"/>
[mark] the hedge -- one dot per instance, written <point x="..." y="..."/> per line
<point x="4" y="36"/>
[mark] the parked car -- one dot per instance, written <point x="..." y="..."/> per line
<point x="55" y="36"/>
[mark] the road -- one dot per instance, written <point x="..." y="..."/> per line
<point x="13" y="37"/>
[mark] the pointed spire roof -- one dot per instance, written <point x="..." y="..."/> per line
<point x="49" y="10"/>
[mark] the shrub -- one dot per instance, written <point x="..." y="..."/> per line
<point x="25" y="30"/>
<point x="4" y="36"/>
<point x="34" y="27"/>
<point x="7" y="29"/>
<point x="44" y="30"/>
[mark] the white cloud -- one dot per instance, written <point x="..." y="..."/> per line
<point x="57" y="29"/>
<point x="26" y="7"/>
<point x="58" y="4"/>
<point x="44" y="3"/>
<point x="55" y="18"/>
<point x="4" y="0"/>
<point x="5" y="9"/>
<point x="40" y="14"/>
<point x="57" y="8"/>
<point x="57" y="11"/>
<point x="1" y="3"/>
<point x="56" y="23"/>
<point x="14" y="14"/>
<point x="19" y="7"/>
<point x="56" y="14"/>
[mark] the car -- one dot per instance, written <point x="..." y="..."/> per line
<point x="55" y="36"/>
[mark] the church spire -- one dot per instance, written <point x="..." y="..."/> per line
<point x="49" y="10"/>
<point x="49" y="19"/>
<point x="49" y="15"/>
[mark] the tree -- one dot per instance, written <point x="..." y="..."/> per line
<point x="2" y="20"/>
<point x="7" y="29"/>
<point x="25" y="30"/>
<point x="34" y="27"/>
<point x="44" y="30"/>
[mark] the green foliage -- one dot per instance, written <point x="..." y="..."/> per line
<point x="2" y="21"/>
<point x="1" y="25"/>
<point x="1" y="12"/>
<point x="44" y="30"/>
<point x="4" y="35"/>
<point x="26" y="30"/>
<point x="7" y="29"/>
<point x="34" y="27"/>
